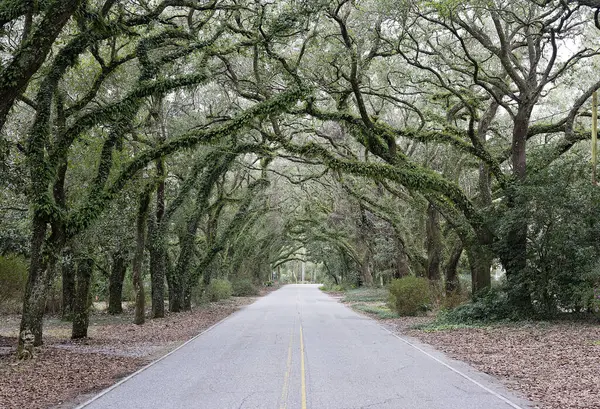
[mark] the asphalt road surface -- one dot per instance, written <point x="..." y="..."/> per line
<point x="298" y="348"/>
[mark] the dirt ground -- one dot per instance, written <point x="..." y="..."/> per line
<point x="555" y="364"/>
<point x="65" y="372"/>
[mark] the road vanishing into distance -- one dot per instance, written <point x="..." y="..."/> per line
<point x="298" y="348"/>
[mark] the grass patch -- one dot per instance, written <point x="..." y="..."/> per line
<point x="380" y="311"/>
<point x="366" y="295"/>
<point x="442" y="326"/>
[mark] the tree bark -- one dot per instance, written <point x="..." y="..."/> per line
<point x="367" y="276"/>
<point x="402" y="266"/>
<point x="158" y="251"/>
<point x="81" y="310"/>
<point x="68" y="285"/>
<point x="115" y="284"/>
<point x="180" y="277"/>
<point x="452" y="284"/>
<point x="138" y="259"/>
<point x="514" y="258"/>
<point x="480" y="261"/>
<point x="433" y="243"/>
<point x="34" y="300"/>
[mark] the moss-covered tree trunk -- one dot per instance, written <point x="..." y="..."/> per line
<point x="451" y="269"/>
<point x="180" y="277"/>
<point x="41" y="266"/>
<point x="433" y="243"/>
<point x="157" y="248"/>
<point x="115" y="284"/>
<point x="68" y="284"/>
<point x="82" y="302"/>
<point x="138" y="258"/>
<point x="158" y="252"/>
<point x="514" y="255"/>
<point x="401" y="263"/>
<point x="480" y="260"/>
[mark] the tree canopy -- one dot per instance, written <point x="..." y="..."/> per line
<point x="190" y="140"/>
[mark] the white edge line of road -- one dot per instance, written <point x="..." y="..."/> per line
<point x="467" y="377"/>
<point x="151" y="364"/>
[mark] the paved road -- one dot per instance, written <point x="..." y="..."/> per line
<point x="298" y="348"/>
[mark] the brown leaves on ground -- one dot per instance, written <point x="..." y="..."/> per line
<point x="64" y="369"/>
<point x="57" y="375"/>
<point x="555" y="364"/>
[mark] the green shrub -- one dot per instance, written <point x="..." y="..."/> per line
<point x="409" y="295"/>
<point x="218" y="290"/>
<point x="243" y="288"/>
<point x="13" y="278"/>
<point x="490" y="306"/>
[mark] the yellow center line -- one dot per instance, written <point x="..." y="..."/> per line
<point x="286" y="379"/>
<point x="302" y="371"/>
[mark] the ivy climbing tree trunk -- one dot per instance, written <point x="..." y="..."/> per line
<point x="115" y="284"/>
<point x="81" y="316"/>
<point x="187" y="243"/>
<point x="158" y="252"/>
<point x="433" y="243"/>
<point x="68" y="284"/>
<point x="138" y="258"/>
<point x="41" y="265"/>
<point x="514" y="258"/>
<point x="157" y="247"/>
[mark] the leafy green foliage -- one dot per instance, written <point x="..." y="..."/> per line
<point x="13" y="277"/>
<point x="493" y="305"/>
<point x="409" y="295"/>
<point x="244" y="288"/>
<point x="218" y="290"/>
<point x="561" y="208"/>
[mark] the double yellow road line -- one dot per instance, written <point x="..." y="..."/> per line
<point x="288" y="370"/>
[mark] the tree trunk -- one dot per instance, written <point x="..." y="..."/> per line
<point x="480" y="262"/>
<point x="115" y="284"/>
<point x="81" y="310"/>
<point x="180" y="278"/>
<point x="187" y="298"/>
<point x="402" y="266"/>
<point x="157" y="277"/>
<point x="367" y="276"/>
<point x="433" y="243"/>
<point x="514" y="258"/>
<point x="158" y="252"/>
<point x="34" y="300"/>
<point x="68" y="285"/>
<point x="138" y="259"/>
<point x="450" y="270"/>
